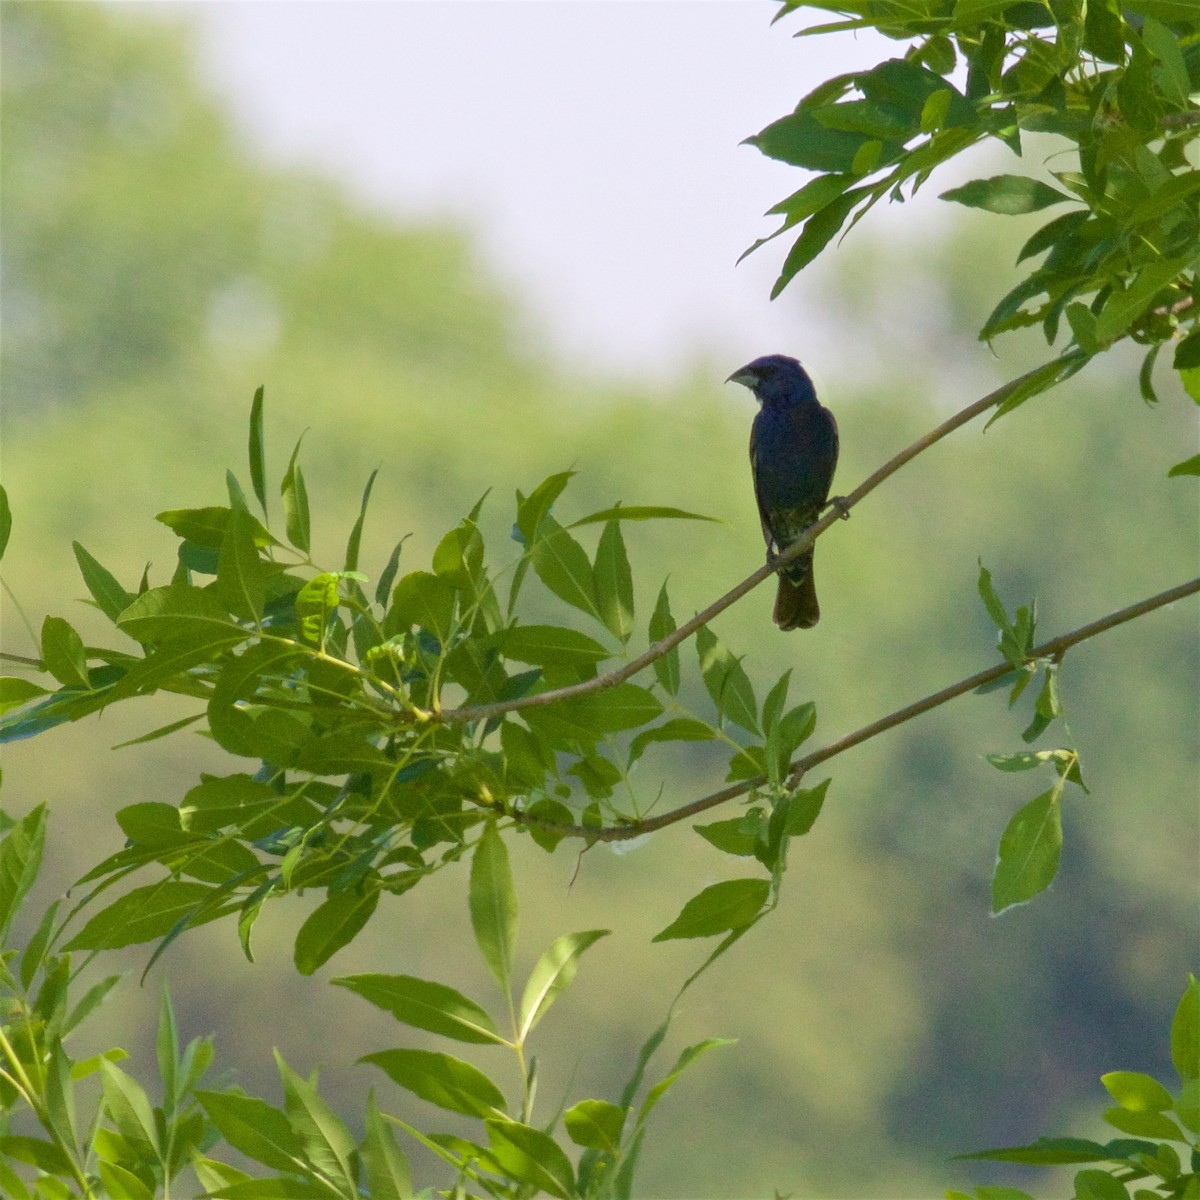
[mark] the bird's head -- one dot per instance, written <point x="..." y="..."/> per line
<point x="775" y="377"/>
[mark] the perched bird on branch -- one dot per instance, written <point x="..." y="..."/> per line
<point x="793" y="453"/>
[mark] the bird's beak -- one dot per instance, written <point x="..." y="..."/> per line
<point x="744" y="376"/>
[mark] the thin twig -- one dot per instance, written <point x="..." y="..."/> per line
<point x="1054" y="649"/>
<point x="485" y="712"/>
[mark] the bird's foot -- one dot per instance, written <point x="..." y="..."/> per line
<point x="841" y="504"/>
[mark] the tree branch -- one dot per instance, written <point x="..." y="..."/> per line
<point x="1055" y="648"/>
<point x="485" y="712"/>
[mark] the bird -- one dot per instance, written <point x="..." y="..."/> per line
<point x="793" y="455"/>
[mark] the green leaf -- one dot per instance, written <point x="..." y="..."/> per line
<point x="141" y="915"/>
<point x="596" y="1124"/>
<point x="388" y="1174"/>
<point x="1137" y="1092"/>
<point x="1029" y="851"/>
<point x="641" y="512"/>
<point x="992" y="602"/>
<point x="355" y="540"/>
<point x="614" y="582"/>
<point x="530" y="512"/>
<point x="179" y="613"/>
<point x="1144" y="1124"/>
<point x="553" y="646"/>
<point x="678" y="729"/>
<point x="531" y="1156"/>
<point x="111" y="598"/>
<point x="1185" y="1033"/>
<point x="258" y="455"/>
<point x="1045" y="1152"/>
<point x="1009" y="195"/>
<point x="15" y="691"/>
<point x="493" y="904"/>
<point x="689" y="1055"/>
<point x="424" y="600"/>
<point x="737" y="835"/>
<point x="726" y="681"/>
<point x="333" y="924"/>
<point x="241" y="574"/>
<point x="207" y="526"/>
<point x="295" y="503"/>
<point x="254" y="1128"/>
<point x="129" y="1109"/>
<point x="819" y="230"/>
<point x="5" y="521"/>
<point x="582" y="720"/>
<point x="801" y="140"/>
<point x="326" y="1141"/>
<point x="20" y="861"/>
<point x="562" y="565"/>
<point x="662" y="624"/>
<point x="733" y="904"/>
<point x="425" y="1005"/>
<point x="441" y="1079"/>
<point x="1124" y="307"/>
<point x="1189" y="466"/>
<point x="552" y="975"/>
<point x="1095" y="1184"/>
<point x="63" y="654"/>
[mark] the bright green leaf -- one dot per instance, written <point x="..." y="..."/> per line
<point x="614" y="582"/>
<point x="1006" y="194"/>
<point x="493" y="904"/>
<point x="532" y="1157"/>
<point x="333" y="924"/>
<point x="726" y="681"/>
<point x="552" y="975"/>
<point x="425" y="1005"/>
<point x="63" y="654"/>
<point x="719" y="908"/>
<point x="441" y="1079"/>
<point x="1029" y="852"/>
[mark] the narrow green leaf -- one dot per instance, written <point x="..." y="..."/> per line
<point x="5" y="521"/>
<point x="614" y="582"/>
<point x="641" y="512"/>
<point x="425" y="1005"/>
<point x="493" y="904"/>
<point x="15" y="691"/>
<point x="819" y="230"/>
<point x="562" y="565"/>
<point x="678" y="729"/>
<point x="241" y="574"/>
<point x="531" y="511"/>
<point x="254" y="1128"/>
<point x="128" y="1107"/>
<point x="662" y="624"/>
<point x="326" y="1140"/>
<point x="531" y="1156"/>
<point x="441" y="1079"/>
<point x="1009" y="195"/>
<point x="1029" y="851"/>
<point x="111" y="598"/>
<point x="688" y="1056"/>
<point x="726" y="681"/>
<point x="141" y="915"/>
<point x="388" y="1174"/>
<point x="352" y="546"/>
<point x="552" y="975"/>
<point x="295" y="503"/>
<point x="1185" y="1032"/>
<point x="258" y="454"/>
<point x="717" y="909"/>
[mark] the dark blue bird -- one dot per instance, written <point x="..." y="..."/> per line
<point x="793" y="453"/>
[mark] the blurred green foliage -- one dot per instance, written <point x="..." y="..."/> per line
<point x="154" y="276"/>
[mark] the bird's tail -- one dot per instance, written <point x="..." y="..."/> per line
<point x="796" y="604"/>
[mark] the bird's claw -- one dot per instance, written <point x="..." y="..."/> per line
<point x="841" y="504"/>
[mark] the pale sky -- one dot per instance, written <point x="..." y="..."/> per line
<point x="592" y="145"/>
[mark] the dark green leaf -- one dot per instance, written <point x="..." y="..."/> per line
<point x="141" y="915"/>
<point x="819" y="230"/>
<point x="1029" y="851"/>
<point x="614" y="582"/>
<point x="241" y="574"/>
<point x="334" y="924"/>
<point x="441" y="1079"/>
<point x="662" y="624"/>
<point x="424" y="600"/>
<point x="352" y="546"/>
<point x="737" y="836"/>
<point x="5" y="521"/>
<point x="678" y="729"/>
<point x="63" y="654"/>
<point x="258" y="453"/>
<point x="1045" y="1152"/>
<point x="563" y="566"/>
<point x="726" y="681"/>
<point x="20" y="861"/>
<point x="584" y="719"/>
<point x="493" y="904"/>
<point x="384" y="586"/>
<point x="801" y="140"/>
<point x="719" y="908"/>
<point x="641" y="512"/>
<point x="1006" y="194"/>
<point x="553" y="646"/>
<point x="425" y="1005"/>
<point x="1185" y="1032"/>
